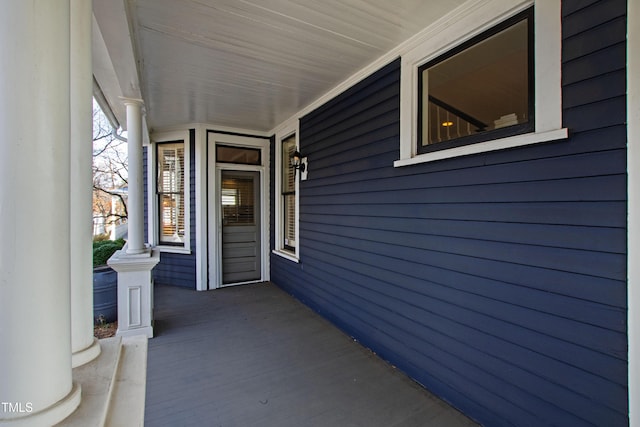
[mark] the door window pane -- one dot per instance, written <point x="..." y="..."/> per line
<point x="238" y="201"/>
<point x="237" y="155"/>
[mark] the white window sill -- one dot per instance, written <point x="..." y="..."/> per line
<point x="173" y="249"/>
<point x="286" y="255"/>
<point x="483" y="147"/>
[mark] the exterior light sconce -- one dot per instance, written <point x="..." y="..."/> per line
<point x="300" y="163"/>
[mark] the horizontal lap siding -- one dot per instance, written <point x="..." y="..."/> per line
<point x="496" y="280"/>
<point x="180" y="269"/>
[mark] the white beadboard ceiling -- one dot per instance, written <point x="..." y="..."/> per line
<point x="251" y="64"/>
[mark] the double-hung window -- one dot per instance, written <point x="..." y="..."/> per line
<point x="170" y="193"/>
<point x="288" y="195"/>
<point x="287" y="242"/>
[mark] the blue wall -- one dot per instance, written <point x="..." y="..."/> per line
<point x="498" y="280"/>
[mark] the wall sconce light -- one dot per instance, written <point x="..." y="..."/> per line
<point x="299" y="163"/>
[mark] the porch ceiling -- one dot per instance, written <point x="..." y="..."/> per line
<point x="252" y="64"/>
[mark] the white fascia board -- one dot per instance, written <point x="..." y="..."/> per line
<point x="212" y="127"/>
<point x="105" y="79"/>
<point x="104" y="105"/>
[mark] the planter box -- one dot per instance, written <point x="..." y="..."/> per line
<point x="105" y="294"/>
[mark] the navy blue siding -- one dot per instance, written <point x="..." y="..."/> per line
<point x="180" y="269"/>
<point x="496" y="280"/>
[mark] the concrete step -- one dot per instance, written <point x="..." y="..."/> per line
<point x="113" y="385"/>
<point x="127" y="401"/>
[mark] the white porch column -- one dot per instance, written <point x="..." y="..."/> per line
<point x="83" y="345"/>
<point x="35" y="337"/>
<point x="135" y="206"/>
<point x="135" y="282"/>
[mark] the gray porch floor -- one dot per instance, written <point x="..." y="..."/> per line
<point x="253" y="356"/>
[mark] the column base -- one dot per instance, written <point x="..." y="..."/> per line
<point x="86" y="355"/>
<point x="135" y="291"/>
<point x="51" y="415"/>
<point x="146" y="330"/>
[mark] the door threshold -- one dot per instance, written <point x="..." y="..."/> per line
<point x="225" y="285"/>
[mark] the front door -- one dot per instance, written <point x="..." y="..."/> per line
<point x="240" y="214"/>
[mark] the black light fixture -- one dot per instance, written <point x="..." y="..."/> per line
<point x="296" y="161"/>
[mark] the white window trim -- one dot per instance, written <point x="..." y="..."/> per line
<point x="468" y="21"/>
<point x="285" y="131"/>
<point x="201" y="207"/>
<point x="633" y="203"/>
<point x="152" y="200"/>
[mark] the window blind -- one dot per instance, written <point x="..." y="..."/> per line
<point x="170" y="188"/>
<point x="288" y="193"/>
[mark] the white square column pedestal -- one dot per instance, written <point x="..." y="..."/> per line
<point x="135" y="291"/>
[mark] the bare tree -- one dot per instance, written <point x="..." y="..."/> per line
<point x="109" y="171"/>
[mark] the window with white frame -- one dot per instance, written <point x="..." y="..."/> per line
<point x="288" y="195"/>
<point x="485" y="78"/>
<point x="481" y="90"/>
<point x="170" y="192"/>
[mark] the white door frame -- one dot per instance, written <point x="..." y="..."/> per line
<point x="633" y="203"/>
<point x="214" y="220"/>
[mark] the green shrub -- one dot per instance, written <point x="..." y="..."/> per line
<point x="103" y="249"/>
<point x="101" y="242"/>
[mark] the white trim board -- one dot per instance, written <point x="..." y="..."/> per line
<point x="633" y="203"/>
<point x="201" y="207"/>
<point x="210" y="127"/>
